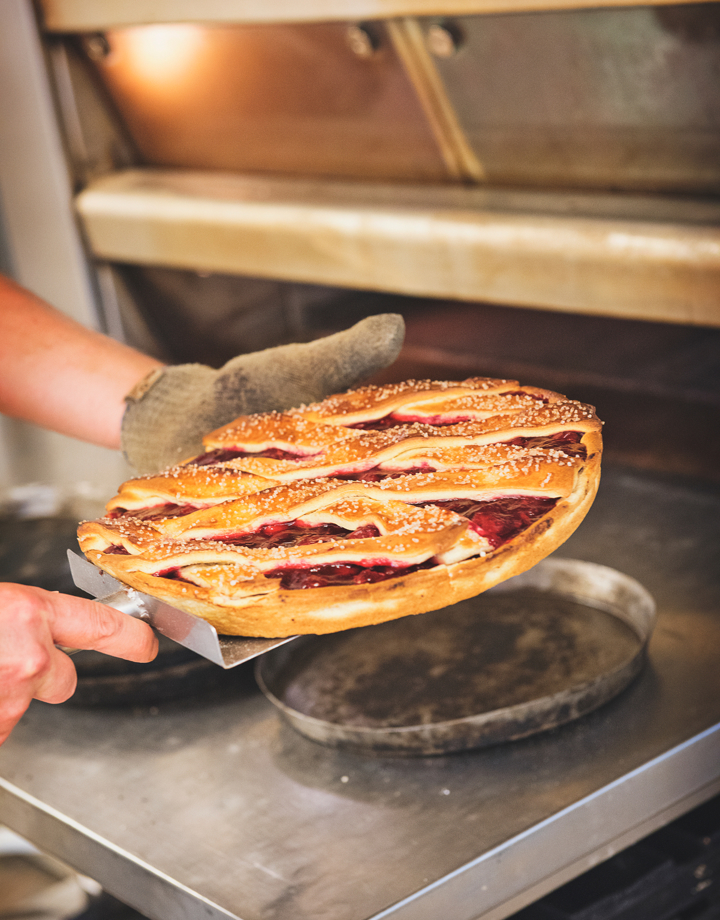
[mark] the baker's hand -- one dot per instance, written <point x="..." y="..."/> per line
<point x="170" y="411"/>
<point x="33" y="622"/>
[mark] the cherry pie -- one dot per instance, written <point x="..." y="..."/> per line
<point x="370" y="505"/>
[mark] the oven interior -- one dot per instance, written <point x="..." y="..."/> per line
<point x="603" y="121"/>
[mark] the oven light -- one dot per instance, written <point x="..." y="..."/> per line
<point x="162" y="53"/>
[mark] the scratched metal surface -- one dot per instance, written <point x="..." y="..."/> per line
<point x="622" y="98"/>
<point x="215" y="808"/>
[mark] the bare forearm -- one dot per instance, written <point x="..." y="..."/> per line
<point x="60" y="375"/>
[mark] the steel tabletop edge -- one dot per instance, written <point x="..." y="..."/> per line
<point x="491" y="887"/>
<point x="510" y="876"/>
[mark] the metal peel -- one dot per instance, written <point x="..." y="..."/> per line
<point x="187" y="630"/>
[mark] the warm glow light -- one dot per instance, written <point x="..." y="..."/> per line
<point x="164" y="53"/>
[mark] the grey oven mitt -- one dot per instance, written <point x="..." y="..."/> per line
<point x="171" y="409"/>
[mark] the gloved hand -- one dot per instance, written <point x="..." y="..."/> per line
<point x="169" y="411"/>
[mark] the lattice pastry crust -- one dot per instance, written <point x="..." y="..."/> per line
<point x="371" y="505"/>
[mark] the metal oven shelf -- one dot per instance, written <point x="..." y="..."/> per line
<point x="620" y="255"/>
<point x="79" y="15"/>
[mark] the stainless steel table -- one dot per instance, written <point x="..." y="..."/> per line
<point x="217" y="809"/>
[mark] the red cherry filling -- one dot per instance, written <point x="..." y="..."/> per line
<point x="155" y="512"/>
<point x="389" y="421"/>
<point x="439" y="421"/>
<point x="567" y="441"/>
<point x="341" y="573"/>
<point x="222" y="455"/>
<point x="173" y="574"/>
<point x="116" y="550"/>
<point x="498" y="521"/>
<point x="375" y="475"/>
<point x="295" y="533"/>
<point x="501" y="519"/>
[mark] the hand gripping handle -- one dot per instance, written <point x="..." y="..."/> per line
<point x="126" y="601"/>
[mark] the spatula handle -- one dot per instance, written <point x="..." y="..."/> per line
<point x="126" y="601"/>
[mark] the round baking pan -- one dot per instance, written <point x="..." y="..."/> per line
<point x="535" y="652"/>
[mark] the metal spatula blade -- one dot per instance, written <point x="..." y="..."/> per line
<point x="187" y="630"/>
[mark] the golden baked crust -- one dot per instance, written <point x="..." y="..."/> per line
<point x="368" y="506"/>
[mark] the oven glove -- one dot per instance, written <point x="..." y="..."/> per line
<point x="170" y="410"/>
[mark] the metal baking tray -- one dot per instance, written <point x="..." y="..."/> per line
<point x="535" y="652"/>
